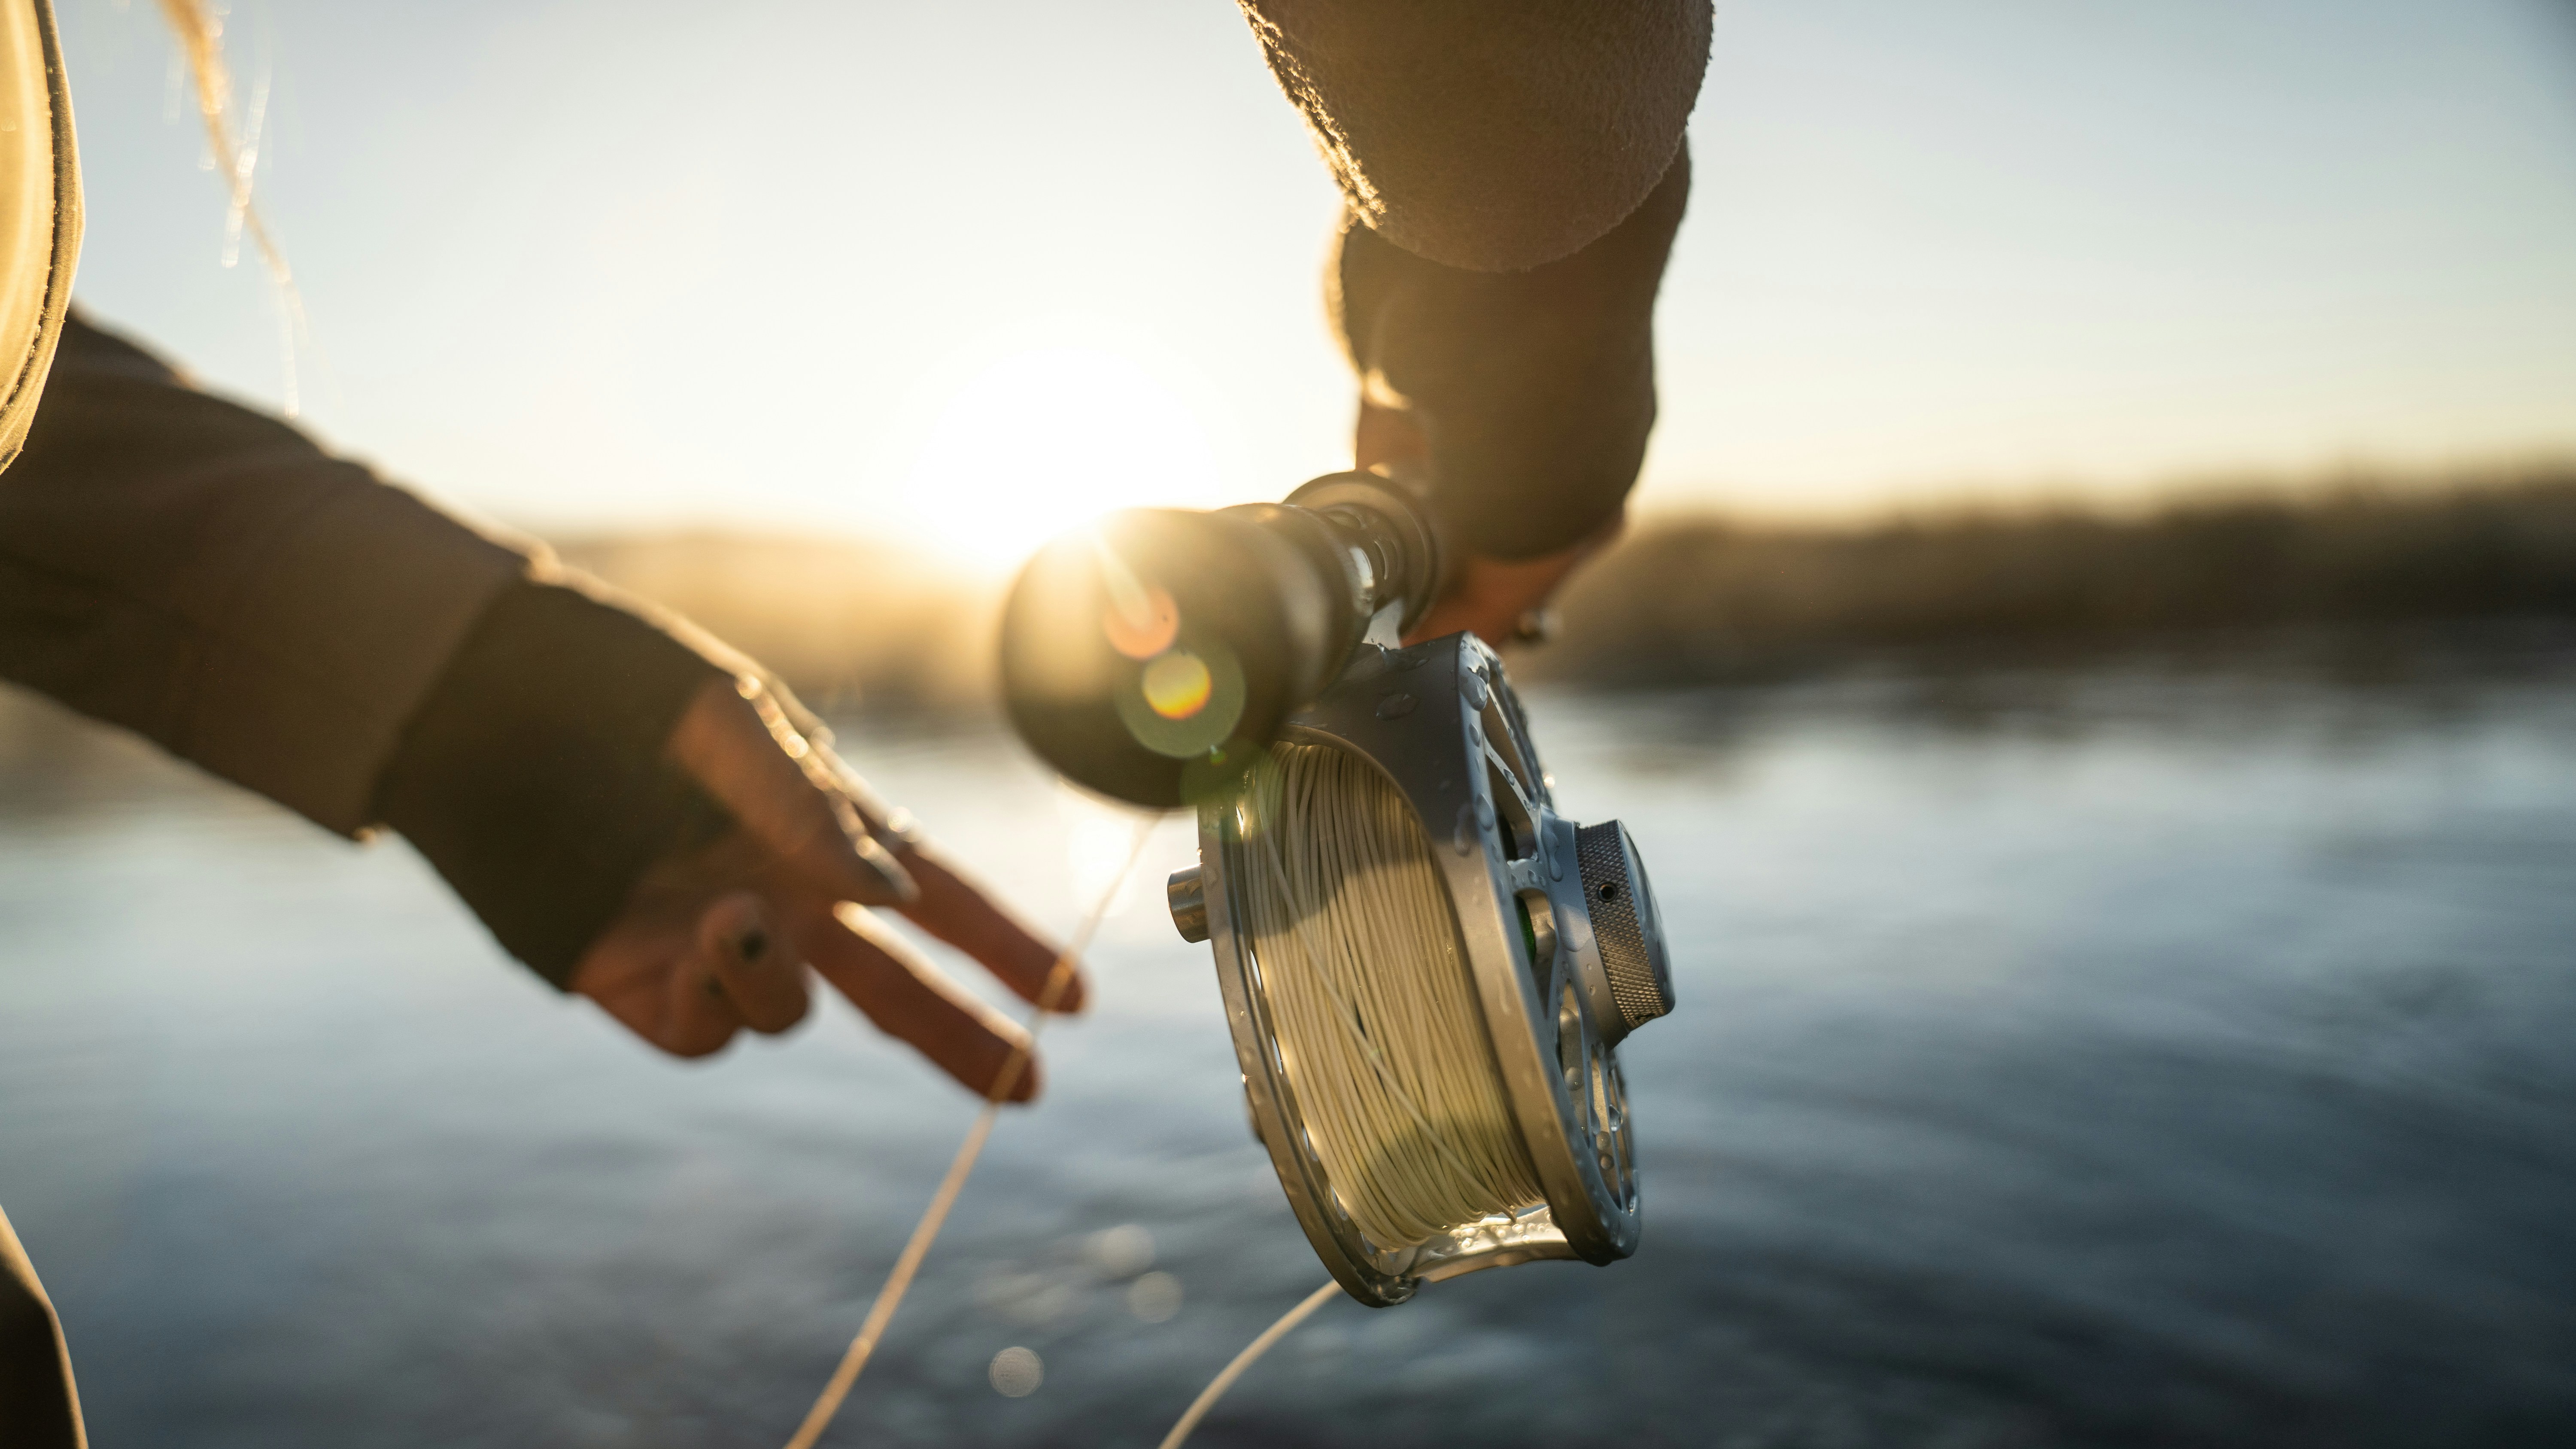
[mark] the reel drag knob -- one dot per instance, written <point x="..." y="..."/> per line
<point x="1625" y="923"/>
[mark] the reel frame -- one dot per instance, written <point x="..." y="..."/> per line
<point x="1440" y="721"/>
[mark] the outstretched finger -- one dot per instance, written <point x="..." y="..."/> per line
<point x="955" y="908"/>
<point x="911" y="999"/>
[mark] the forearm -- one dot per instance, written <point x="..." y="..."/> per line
<point x="213" y="580"/>
<point x="1514" y="174"/>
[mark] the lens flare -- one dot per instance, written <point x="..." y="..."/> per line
<point x="1188" y="700"/>
<point x="1178" y="685"/>
<point x="1142" y="627"/>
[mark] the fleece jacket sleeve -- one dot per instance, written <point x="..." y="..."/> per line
<point x="210" y="578"/>
<point x="213" y="580"/>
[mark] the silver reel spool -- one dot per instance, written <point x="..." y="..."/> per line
<point x="1561" y="937"/>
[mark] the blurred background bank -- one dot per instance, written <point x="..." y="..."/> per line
<point x="2094" y="662"/>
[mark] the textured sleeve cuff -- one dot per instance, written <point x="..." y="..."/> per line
<point x="534" y="778"/>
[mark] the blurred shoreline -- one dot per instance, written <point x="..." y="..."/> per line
<point x="850" y="624"/>
<point x="2356" y="569"/>
<point x="2393" y="581"/>
<point x="2353" y="575"/>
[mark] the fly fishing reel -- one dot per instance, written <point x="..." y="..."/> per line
<point x="1426" y="969"/>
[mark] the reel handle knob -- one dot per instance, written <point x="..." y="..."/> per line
<point x="1625" y="921"/>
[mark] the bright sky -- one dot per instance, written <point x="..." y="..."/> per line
<point x="975" y="273"/>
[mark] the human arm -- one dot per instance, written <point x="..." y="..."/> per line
<point x="213" y="580"/>
<point x="1514" y="175"/>
<point x="1524" y="399"/>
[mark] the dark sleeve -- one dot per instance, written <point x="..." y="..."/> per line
<point x="1494" y="135"/>
<point x="1535" y="390"/>
<point x="211" y="579"/>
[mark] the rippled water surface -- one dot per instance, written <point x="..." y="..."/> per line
<point x="2075" y="1060"/>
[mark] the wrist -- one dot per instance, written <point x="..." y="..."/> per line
<point x="534" y="777"/>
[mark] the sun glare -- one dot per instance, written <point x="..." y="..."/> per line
<point x="1041" y="440"/>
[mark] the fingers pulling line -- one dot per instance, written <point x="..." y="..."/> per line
<point x="946" y="902"/>
<point x="899" y="1281"/>
<point x="799" y="801"/>
<point x="914" y="1001"/>
<point x="954" y="909"/>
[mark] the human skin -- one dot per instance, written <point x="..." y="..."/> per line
<point x="1486" y="595"/>
<point x="731" y="936"/>
<point x="1493" y="139"/>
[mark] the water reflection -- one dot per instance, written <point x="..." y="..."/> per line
<point x="2153" y="1054"/>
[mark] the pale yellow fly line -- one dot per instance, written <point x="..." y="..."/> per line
<point x="1216" y="1387"/>
<point x="1371" y="1005"/>
<point x="899" y="1281"/>
<point x="1373" y="1014"/>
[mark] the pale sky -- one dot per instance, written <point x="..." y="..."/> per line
<point x="970" y="274"/>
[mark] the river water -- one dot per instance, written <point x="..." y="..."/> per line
<point x="2109" y="1057"/>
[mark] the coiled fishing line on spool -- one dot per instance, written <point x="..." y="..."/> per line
<point x="1373" y="1013"/>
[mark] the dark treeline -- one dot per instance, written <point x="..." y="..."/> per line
<point x="1704" y="599"/>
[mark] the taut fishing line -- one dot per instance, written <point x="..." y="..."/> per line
<point x="1225" y="1380"/>
<point x="899" y="1278"/>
